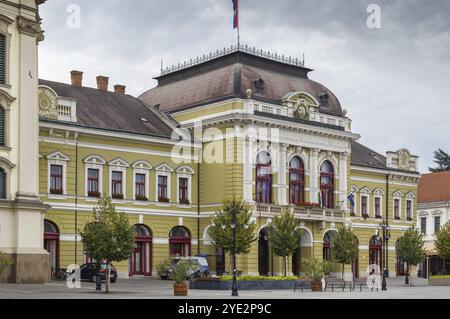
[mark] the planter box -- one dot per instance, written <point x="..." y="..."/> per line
<point x="247" y="285"/>
<point x="439" y="281"/>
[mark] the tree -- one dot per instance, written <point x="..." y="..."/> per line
<point x="345" y="247"/>
<point x="410" y="249"/>
<point x="442" y="244"/>
<point x="284" y="234"/>
<point x="221" y="232"/>
<point x="110" y="237"/>
<point x="442" y="159"/>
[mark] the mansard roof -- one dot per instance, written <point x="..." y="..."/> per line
<point x="112" y="111"/>
<point x="229" y="74"/>
<point x="364" y="156"/>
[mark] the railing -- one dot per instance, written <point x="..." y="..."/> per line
<point x="67" y="110"/>
<point x="234" y="48"/>
<point x="305" y="213"/>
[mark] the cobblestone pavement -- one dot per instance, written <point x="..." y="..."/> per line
<point x="157" y="289"/>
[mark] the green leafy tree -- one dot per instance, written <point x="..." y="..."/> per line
<point x="442" y="244"/>
<point x="345" y="247"/>
<point x="284" y="234"/>
<point x="221" y="232"/>
<point x="110" y="237"/>
<point x="442" y="159"/>
<point x="410" y="249"/>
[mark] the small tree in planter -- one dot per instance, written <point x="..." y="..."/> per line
<point x="410" y="249"/>
<point x="164" y="270"/>
<point x="345" y="247"/>
<point x="316" y="270"/>
<point x="284" y="236"/>
<point x="110" y="237"/>
<point x="222" y="232"/>
<point x="180" y="274"/>
<point x="442" y="244"/>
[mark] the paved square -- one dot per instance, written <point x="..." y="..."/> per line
<point x="157" y="289"/>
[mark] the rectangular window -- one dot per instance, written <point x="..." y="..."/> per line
<point x="117" y="185"/>
<point x="56" y="179"/>
<point x="423" y="225"/>
<point x="183" y="190"/>
<point x="409" y="210"/>
<point x="162" y="189"/>
<point x="2" y="127"/>
<point x="2" y="59"/>
<point x="93" y="186"/>
<point x="377" y="207"/>
<point x="396" y="208"/>
<point x="364" y="205"/>
<point x="437" y="224"/>
<point x="140" y="187"/>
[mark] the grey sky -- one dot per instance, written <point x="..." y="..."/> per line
<point x="393" y="81"/>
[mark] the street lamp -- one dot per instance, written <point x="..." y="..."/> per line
<point x="385" y="241"/>
<point x="234" y="289"/>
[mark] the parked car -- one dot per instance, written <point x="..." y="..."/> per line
<point x="89" y="272"/>
<point x="200" y="269"/>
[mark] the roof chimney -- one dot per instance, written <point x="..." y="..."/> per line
<point x="76" y="78"/>
<point x="102" y="83"/>
<point x="119" y="88"/>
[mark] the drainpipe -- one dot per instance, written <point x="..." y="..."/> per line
<point x="76" y="197"/>
<point x="198" y="207"/>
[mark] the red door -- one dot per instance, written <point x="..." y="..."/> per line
<point x="140" y="263"/>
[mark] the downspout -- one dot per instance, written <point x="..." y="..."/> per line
<point x="386" y="253"/>
<point x="198" y="207"/>
<point x="76" y="197"/>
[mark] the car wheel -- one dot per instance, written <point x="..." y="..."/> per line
<point x="94" y="278"/>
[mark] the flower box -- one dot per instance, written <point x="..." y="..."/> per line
<point x="185" y="202"/>
<point x="365" y="216"/>
<point x="94" y="194"/>
<point x="163" y="200"/>
<point x="141" y="198"/>
<point x="397" y="218"/>
<point x="56" y="192"/>
<point x="117" y="196"/>
<point x="379" y="217"/>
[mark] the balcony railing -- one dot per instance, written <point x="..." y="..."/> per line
<point x="304" y="213"/>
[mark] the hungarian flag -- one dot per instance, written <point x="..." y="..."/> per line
<point x="235" y="14"/>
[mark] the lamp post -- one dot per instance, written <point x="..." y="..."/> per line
<point x="385" y="241"/>
<point x="234" y="288"/>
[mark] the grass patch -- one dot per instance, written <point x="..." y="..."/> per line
<point x="260" y="278"/>
<point x="440" y="277"/>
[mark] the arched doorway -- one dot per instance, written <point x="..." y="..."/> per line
<point x="263" y="253"/>
<point x="327" y="184"/>
<point x="400" y="266"/>
<point x="264" y="178"/>
<point x="327" y="240"/>
<point x="303" y="251"/>
<point x="51" y="243"/>
<point x="179" y="242"/>
<point x="375" y="251"/>
<point x="141" y="257"/>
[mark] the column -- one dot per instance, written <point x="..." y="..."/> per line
<point x="282" y="171"/>
<point x="343" y="158"/>
<point x="314" y="175"/>
<point x="248" y="170"/>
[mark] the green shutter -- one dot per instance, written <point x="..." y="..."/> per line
<point x="2" y="126"/>
<point x="2" y="59"/>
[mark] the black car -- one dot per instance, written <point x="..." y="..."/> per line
<point x="89" y="272"/>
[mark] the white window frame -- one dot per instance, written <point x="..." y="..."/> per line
<point x="118" y="165"/>
<point x="94" y="162"/>
<point x="378" y="194"/>
<point x="164" y="170"/>
<point x="365" y="192"/>
<point x="354" y="190"/>
<point x="5" y="22"/>
<point x="185" y="172"/>
<point x="60" y="159"/>
<point x="399" y="196"/>
<point x="144" y="168"/>
<point x="410" y="197"/>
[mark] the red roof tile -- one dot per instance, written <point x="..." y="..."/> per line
<point x="434" y="187"/>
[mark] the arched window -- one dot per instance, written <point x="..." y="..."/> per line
<point x="51" y="243"/>
<point x="141" y="258"/>
<point x="327" y="184"/>
<point x="2" y="184"/>
<point x="296" y="181"/>
<point x="179" y="242"/>
<point x="263" y="178"/>
<point x="327" y="245"/>
<point x="375" y="246"/>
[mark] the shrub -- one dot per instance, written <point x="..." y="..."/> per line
<point x="5" y="261"/>
<point x="258" y="278"/>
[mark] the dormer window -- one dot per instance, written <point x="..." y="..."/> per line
<point x="324" y="99"/>
<point x="259" y="86"/>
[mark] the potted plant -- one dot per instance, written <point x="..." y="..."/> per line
<point x="164" y="270"/>
<point x="163" y="200"/>
<point x="316" y="270"/>
<point x="94" y="194"/>
<point x="180" y="274"/>
<point x="141" y="198"/>
<point x="118" y="196"/>
<point x="185" y="201"/>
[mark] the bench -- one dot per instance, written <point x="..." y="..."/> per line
<point x="302" y="284"/>
<point x="338" y="282"/>
<point x="359" y="282"/>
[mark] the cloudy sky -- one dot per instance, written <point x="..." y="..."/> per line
<point x="394" y="81"/>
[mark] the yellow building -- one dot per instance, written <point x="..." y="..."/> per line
<point x="240" y="122"/>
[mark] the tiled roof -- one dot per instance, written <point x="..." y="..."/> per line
<point x="434" y="187"/>
<point x="112" y="111"/>
<point x="364" y="156"/>
<point x="231" y="76"/>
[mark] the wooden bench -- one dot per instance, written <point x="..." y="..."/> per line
<point x="359" y="282"/>
<point x="302" y="284"/>
<point x="339" y="282"/>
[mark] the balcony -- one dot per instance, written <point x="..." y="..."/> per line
<point x="303" y="213"/>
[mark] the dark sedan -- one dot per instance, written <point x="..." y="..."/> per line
<point x="89" y="272"/>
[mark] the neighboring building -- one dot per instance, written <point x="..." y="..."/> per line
<point x="433" y="212"/>
<point x="21" y="211"/>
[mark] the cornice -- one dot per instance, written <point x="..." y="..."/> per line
<point x="30" y="27"/>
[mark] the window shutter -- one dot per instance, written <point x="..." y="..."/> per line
<point x="2" y="126"/>
<point x="2" y="59"/>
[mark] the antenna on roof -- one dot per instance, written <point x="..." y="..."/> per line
<point x="162" y="66"/>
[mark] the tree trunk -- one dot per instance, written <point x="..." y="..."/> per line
<point x="443" y="266"/>
<point x="285" y="266"/>
<point x="407" y="274"/>
<point x="343" y="269"/>
<point x="108" y="281"/>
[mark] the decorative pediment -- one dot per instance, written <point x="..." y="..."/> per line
<point x="398" y="194"/>
<point x="48" y="103"/>
<point x="142" y="165"/>
<point x="119" y="163"/>
<point x="354" y="189"/>
<point x="410" y="195"/>
<point x="185" y="170"/>
<point x="378" y="191"/>
<point x="58" y="156"/>
<point x="301" y="103"/>
<point x="164" y="168"/>
<point x="95" y="159"/>
<point x="365" y="190"/>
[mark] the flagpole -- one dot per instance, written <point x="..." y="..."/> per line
<point x="238" y="25"/>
